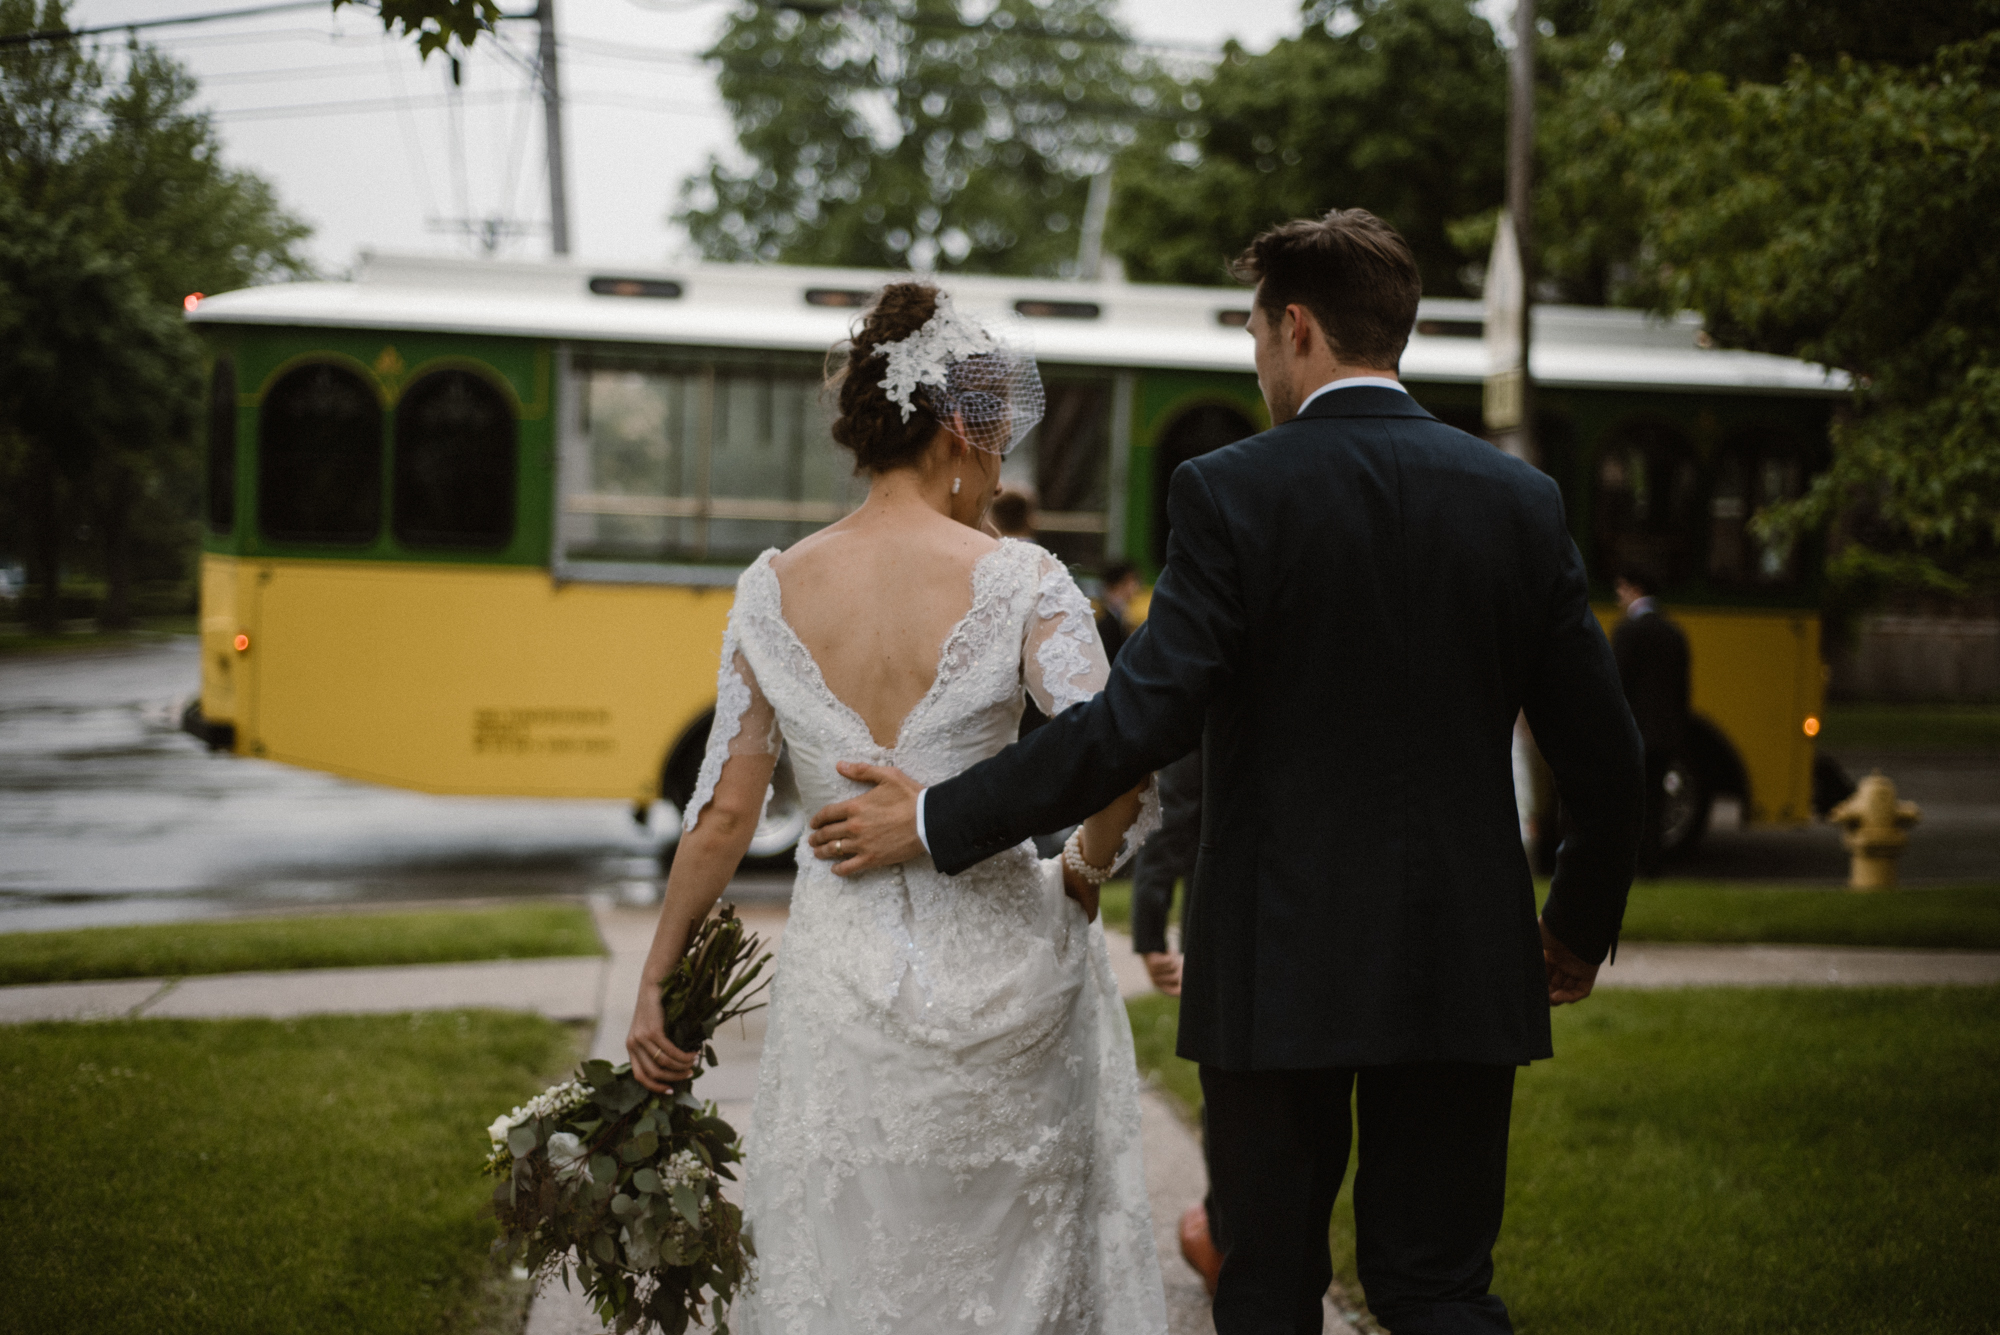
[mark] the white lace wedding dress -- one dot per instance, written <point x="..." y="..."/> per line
<point x="946" y="1135"/>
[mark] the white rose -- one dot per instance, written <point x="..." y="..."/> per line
<point x="497" y="1133"/>
<point x="566" y="1153"/>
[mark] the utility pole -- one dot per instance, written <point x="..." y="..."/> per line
<point x="545" y="14"/>
<point x="1510" y="388"/>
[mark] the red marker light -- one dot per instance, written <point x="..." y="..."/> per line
<point x="1812" y="727"/>
<point x="242" y="643"/>
<point x="191" y="300"/>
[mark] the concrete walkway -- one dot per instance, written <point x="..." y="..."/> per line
<point x="1644" y="964"/>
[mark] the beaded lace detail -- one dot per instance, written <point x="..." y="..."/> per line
<point x="946" y="1136"/>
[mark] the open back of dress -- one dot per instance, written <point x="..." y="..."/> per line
<point x="946" y="1134"/>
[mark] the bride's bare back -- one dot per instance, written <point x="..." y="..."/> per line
<point x="873" y="597"/>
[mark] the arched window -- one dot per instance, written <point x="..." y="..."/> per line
<point x="455" y="446"/>
<point x="1205" y="427"/>
<point x="222" y="446"/>
<point x="319" y="457"/>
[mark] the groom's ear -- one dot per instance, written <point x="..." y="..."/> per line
<point x="1300" y="329"/>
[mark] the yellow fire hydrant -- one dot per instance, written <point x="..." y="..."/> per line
<point x="1875" y="823"/>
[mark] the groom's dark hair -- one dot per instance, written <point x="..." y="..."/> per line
<point x="1351" y="270"/>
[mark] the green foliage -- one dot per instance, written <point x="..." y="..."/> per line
<point x="1396" y="106"/>
<point x="114" y="204"/>
<point x="602" y="1176"/>
<point x="435" y="23"/>
<point x="1791" y="1160"/>
<point x="1873" y="727"/>
<point x="1848" y="216"/>
<point x="624" y="1187"/>
<point x="172" y="950"/>
<point x="241" y="1177"/>
<point x="1609" y="62"/>
<point x="905" y="134"/>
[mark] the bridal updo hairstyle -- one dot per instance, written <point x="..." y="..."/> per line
<point x="1351" y="270"/>
<point x="868" y="423"/>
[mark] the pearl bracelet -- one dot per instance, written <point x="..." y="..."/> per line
<point x="1073" y="858"/>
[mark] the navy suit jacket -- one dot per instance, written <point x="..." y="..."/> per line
<point x="1354" y="607"/>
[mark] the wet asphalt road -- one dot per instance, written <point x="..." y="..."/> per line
<point x="109" y="813"/>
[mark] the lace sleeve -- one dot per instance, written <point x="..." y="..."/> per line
<point x="745" y="725"/>
<point x="1063" y="663"/>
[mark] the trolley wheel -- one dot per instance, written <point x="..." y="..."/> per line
<point x="1684" y="808"/>
<point x="779" y="829"/>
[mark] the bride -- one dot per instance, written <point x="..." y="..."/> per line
<point x="946" y="1134"/>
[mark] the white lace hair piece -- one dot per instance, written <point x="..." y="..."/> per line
<point x="972" y="377"/>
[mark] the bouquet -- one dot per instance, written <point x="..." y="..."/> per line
<point x="602" y="1176"/>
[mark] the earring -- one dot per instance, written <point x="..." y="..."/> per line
<point x="954" y="485"/>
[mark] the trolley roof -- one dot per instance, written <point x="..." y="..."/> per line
<point x="1108" y="324"/>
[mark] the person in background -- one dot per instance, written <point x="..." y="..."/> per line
<point x="1166" y="859"/>
<point x="1653" y="667"/>
<point x="1121" y="586"/>
<point x="1013" y="514"/>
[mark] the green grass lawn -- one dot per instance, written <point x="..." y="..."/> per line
<point x="526" y="931"/>
<point x="18" y="639"/>
<point x="1787" y="1160"/>
<point x="1114" y="903"/>
<point x="1965" y="917"/>
<point x="1860" y="727"/>
<point x="254" y="1176"/>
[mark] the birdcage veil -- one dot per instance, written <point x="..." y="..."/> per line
<point x="980" y="381"/>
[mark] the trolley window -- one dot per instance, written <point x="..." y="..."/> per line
<point x="455" y="448"/>
<point x="319" y="457"/>
<point x="1196" y="431"/>
<point x="696" y="461"/>
<point x="222" y="446"/>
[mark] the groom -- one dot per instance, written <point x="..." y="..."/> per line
<point x="1355" y="605"/>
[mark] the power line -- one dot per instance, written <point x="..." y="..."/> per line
<point x="71" y="34"/>
<point x="440" y="101"/>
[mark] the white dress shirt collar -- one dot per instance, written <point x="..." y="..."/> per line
<point x="1352" y="382"/>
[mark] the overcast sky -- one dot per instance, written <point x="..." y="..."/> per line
<point x="364" y="141"/>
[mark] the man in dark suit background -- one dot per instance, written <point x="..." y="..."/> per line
<point x="1355" y="605"/>
<point x="1653" y="668"/>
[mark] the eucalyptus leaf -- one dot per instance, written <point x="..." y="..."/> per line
<point x="522" y="1140"/>
<point x="687" y="1202"/>
<point x="646" y="1180"/>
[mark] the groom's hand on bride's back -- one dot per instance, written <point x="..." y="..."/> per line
<point x="1570" y="979"/>
<point x="876" y="829"/>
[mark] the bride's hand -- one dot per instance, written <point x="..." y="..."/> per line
<point x="1083" y="892"/>
<point x="656" y="1062"/>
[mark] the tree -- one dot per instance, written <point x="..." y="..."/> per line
<point x="101" y="155"/>
<point x="1851" y="215"/>
<point x="1397" y="106"/>
<point x="93" y="374"/>
<point x="1607" y="64"/>
<point x="904" y="134"/>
